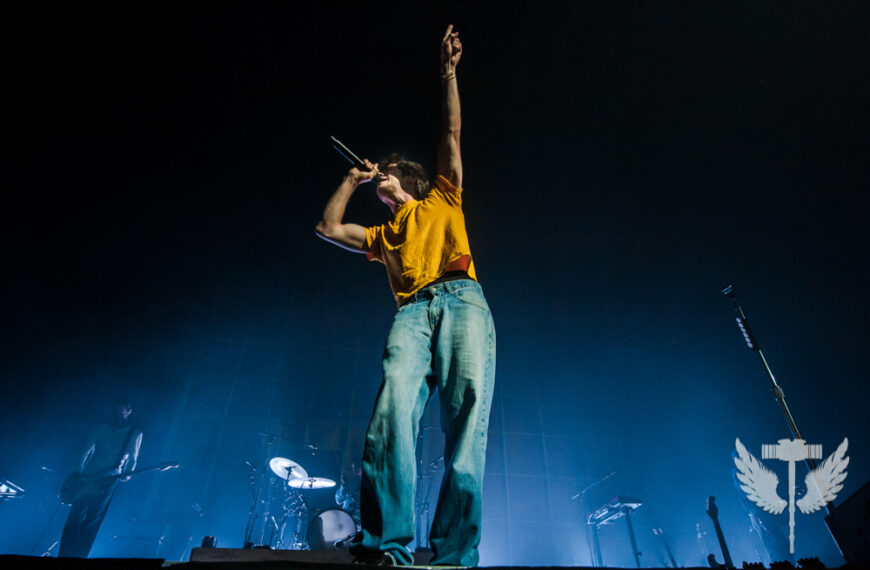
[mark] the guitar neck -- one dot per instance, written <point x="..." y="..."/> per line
<point x="161" y="467"/>
<point x="725" y="553"/>
<point x="713" y="512"/>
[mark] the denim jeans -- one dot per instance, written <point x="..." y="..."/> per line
<point x="443" y="338"/>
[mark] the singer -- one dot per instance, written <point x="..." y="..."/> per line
<point x="442" y="337"/>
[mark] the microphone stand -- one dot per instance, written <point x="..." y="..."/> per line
<point x="778" y="393"/>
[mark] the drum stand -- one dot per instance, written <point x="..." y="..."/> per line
<point x="257" y="479"/>
<point x="423" y="516"/>
<point x="296" y="509"/>
<point x="423" y="519"/>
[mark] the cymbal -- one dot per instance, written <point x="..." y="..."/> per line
<point x="311" y="483"/>
<point x="287" y="469"/>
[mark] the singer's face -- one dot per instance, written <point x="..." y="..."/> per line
<point x="388" y="186"/>
<point x="393" y="181"/>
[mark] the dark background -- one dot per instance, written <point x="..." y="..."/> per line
<point x="623" y="163"/>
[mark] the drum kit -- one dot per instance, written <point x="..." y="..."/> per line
<point x="292" y="510"/>
<point x="301" y="512"/>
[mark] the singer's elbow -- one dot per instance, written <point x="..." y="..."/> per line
<point x="324" y="230"/>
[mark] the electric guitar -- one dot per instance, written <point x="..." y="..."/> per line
<point x="79" y="485"/>
<point x="713" y="511"/>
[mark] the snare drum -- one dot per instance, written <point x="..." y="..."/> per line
<point x="331" y="529"/>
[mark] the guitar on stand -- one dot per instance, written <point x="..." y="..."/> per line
<point x="713" y="511"/>
<point x="79" y="485"/>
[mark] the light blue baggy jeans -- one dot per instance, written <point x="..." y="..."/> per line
<point x="443" y="337"/>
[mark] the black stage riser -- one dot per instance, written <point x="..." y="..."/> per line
<point x="231" y="559"/>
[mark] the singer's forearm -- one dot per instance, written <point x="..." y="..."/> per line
<point x="331" y="226"/>
<point x="451" y="115"/>
<point x="333" y="213"/>
<point x="449" y="156"/>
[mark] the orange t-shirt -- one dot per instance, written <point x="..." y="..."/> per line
<point x="425" y="239"/>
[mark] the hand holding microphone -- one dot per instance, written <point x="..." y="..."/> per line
<point x="366" y="173"/>
<point x="363" y="170"/>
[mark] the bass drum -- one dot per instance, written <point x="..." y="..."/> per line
<point x="331" y="529"/>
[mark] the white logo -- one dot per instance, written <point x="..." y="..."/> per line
<point x="823" y="483"/>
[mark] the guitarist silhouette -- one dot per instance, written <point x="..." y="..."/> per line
<point x="110" y="449"/>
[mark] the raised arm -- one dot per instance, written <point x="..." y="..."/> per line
<point x="351" y="237"/>
<point x="449" y="157"/>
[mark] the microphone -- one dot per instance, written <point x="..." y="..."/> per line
<point x="348" y="154"/>
<point x="742" y="322"/>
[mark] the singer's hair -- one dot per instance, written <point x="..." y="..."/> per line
<point x="409" y="168"/>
